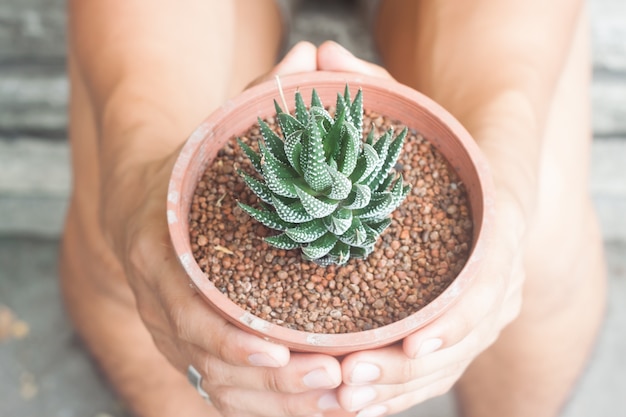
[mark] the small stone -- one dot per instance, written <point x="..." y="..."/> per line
<point x="452" y="209"/>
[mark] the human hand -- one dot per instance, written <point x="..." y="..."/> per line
<point x="429" y="362"/>
<point x="242" y="373"/>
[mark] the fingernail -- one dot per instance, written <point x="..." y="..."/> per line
<point x="361" y="397"/>
<point x="263" y="359"/>
<point x="364" y="372"/>
<point x="318" y="378"/>
<point x="429" y="346"/>
<point x="328" y="401"/>
<point x="373" y="411"/>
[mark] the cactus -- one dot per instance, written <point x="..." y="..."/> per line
<point x="325" y="188"/>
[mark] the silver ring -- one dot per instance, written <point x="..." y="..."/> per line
<point x="195" y="379"/>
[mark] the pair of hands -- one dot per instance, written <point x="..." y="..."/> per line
<point x="246" y="375"/>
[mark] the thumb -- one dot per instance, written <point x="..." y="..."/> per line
<point x="333" y="57"/>
<point x="302" y="57"/>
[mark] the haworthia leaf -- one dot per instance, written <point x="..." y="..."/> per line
<point x="316" y="207"/>
<point x="361" y="253"/>
<point x="399" y="190"/>
<point x="273" y="142"/>
<point x="315" y="100"/>
<point x="254" y="158"/>
<point x="382" y="148"/>
<point x="390" y="160"/>
<point x="258" y="188"/>
<point x="341" y="185"/>
<point x="379" y="226"/>
<point x="365" y="164"/>
<point x="382" y="144"/>
<point x="372" y="236"/>
<point x="370" y="136"/>
<point x="356" y="111"/>
<point x="379" y="206"/>
<point x="350" y="148"/>
<point x="384" y="185"/>
<point x="267" y="218"/>
<point x="321" y="113"/>
<point x="282" y="241"/>
<point x="306" y="232"/>
<point x="340" y="253"/>
<point x="398" y="193"/>
<point x="289" y="124"/>
<point x="292" y="212"/>
<point x="293" y="149"/>
<point x="339" y="221"/>
<point x="342" y="108"/>
<point x="301" y="112"/>
<point x="278" y="176"/>
<point x="320" y="247"/>
<point x="332" y="142"/>
<point x="313" y="160"/>
<point x="358" y="198"/>
<point x="277" y="108"/>
<point x="356" y="233"/>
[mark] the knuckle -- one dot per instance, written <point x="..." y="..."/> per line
<point x="177" y="315"/>
<point x="225" y="350"/>
<point x="138" y="252"/>
<point x="410" y="371"/>
<point x="272" y="382"/>
<point x="223" y="399"/>
<point x="205" y="366"/>
<point x="216" y="375"/>
<point x="293" y="406"/>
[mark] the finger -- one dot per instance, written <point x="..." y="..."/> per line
<point x="333" y="57"/>
<point x="302" y="57"/>
<point x="400" y="376"/>
<point x="406" y="400"/>
<point x="391" y="366"/>
<point x="232" y="401"/>
<point x="304" y="372"/>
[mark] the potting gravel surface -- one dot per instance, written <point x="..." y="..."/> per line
<point x="415" y="259"/>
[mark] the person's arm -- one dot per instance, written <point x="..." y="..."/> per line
<point x="495" y="65"/>
<point x="152" y="71"/>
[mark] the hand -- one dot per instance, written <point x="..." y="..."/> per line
<point x="242" y="373"/>
<point x="429" y="362"/>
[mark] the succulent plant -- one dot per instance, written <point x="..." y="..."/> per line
<point x="327" y="190"/>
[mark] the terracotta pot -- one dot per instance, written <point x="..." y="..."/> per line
<point x="382" y="96"/>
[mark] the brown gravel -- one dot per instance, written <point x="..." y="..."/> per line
<point x="416" y="258"/>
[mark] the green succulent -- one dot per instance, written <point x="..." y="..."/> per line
<point x="326" y="189"/>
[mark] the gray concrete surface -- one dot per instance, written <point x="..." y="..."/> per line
<point x="44" y="370"/>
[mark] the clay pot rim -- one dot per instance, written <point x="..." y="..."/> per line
<point x="336" y="344"/>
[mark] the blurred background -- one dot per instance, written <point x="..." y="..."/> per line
<point x="44" y="370"/>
